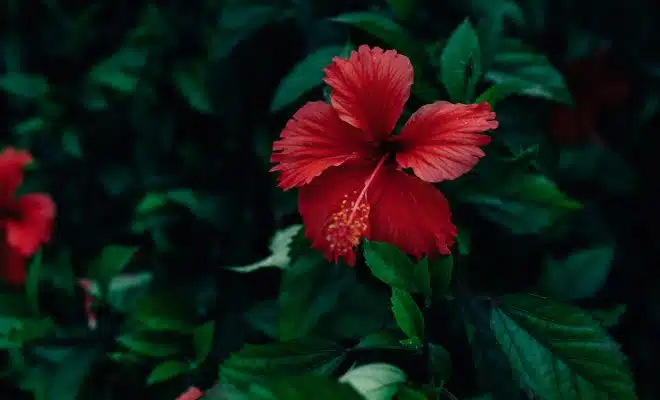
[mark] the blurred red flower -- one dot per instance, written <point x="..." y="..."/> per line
<point x="25" y="222"/>
<point x="596" y="86"/>
<point x="88" y="303"/>
<point x="349" y="166"/>
<point x="191" y="394"/>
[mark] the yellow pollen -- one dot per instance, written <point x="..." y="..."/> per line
<point x="347" y="226"/>
<point x="343" y="233"/>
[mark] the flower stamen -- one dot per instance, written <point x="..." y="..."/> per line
<point x="348" y="225"/>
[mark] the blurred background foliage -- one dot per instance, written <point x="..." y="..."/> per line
<point x="151" y="124"/>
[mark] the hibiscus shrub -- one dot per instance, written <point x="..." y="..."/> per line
<point x="328" y="200"/>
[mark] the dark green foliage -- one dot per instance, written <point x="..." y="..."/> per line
<point x="151" y="125"/>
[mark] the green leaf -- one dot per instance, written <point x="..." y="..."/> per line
<point x="522" y="156"/>
<point x="361" y="309"/>
<point x="256" y="363"/>
<point x="201" y="206"/>
<point x="190" y="81"/>
<point x="28" y="330"/>
<point x="123" y="290"/>
<point x="463" y="241"/>
<point x="560" y="351"/>
<point x="309" y="289"/>
<point x="527" y="203"/>
<point x="120" y="71"/>
<point x="507" y="8"/>
<point x="30" y="126"/>
<point x="492" y="368"/>
<point x="114" y="78"/>
<point x="129" y="58"/>
<point x="381" y="27"/>
<point x="237" y="24"/>
<point x="538" y="188"/>
<point x="390" y="265"/>
<point x="32" y="283"/>
<point x="280" y="249"/>
<point x="151" y="24"/>
<point x="423" y="277"/>
<point x="6" y="344"/>
<point x="262" y="316"/>
<point x="609" y="318"/>
<point x="148" y="345"/>
<point x="166" y="371"/>
<point x="110" y="263"/>
<point x="380" y="340"/>
<point x="376" y="381"/>
<point x="163" y="312"/>
<point x="125" y="357"/>
<point x="184" y="197"/>
<point x="64" y="379"/>
<point x="490" y="32"/>
<point x="71" y="143"/>
<point x="303" y="388"/>
<point x="306" y="75"/>
<point x="531" y="72"/>
<point x="579" y="276"/>
<point x="203" y="340"/>
<point x="440" y="363"/>
<point x="151" y="202"/>
<point x="498" y="92"/>
<point x="522" y="147"/>
<point x="594" y="163"/>
<point x="397" y="38"/>
<point x="461" y="63"/>
<point x="59" y="273"/>
<point x="7" y="325"/>
<point x="441" y="269"/>
<point x="404" y="10"/>
<point x="14" y="308"/>
<point x="407" y="314"/>
<point x="30" y="86"/>
<point x="408" y="393"/>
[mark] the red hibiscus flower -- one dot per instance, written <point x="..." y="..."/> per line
<point x="191" y="394"/>
<point x="25" y="222"/>
<point x="349" y="166"/>
<point x="596" y="87"/>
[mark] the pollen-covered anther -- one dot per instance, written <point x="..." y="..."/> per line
<point x="347" y="226"/>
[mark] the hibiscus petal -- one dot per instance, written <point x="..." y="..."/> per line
<point x="313" y="140"/>
<point x="370" y="89"/>
<point x="192" y="393"/>
<point x="13" y="158"/>
<point x="412" y="215"/>
<point x="441" y="140"/>
<point x="12" y="266"/>
<point x="33" y="228"/>
<point x="12" y="163"/>
<point x="326" y="206"/>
